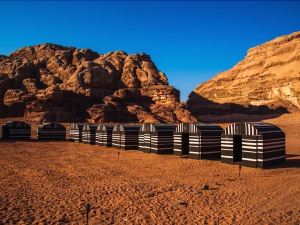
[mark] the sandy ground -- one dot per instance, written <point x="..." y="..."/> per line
<point x="51" y="182"/>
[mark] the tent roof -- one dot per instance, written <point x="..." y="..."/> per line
<point x="204" y="127"/>
<point x="52" y="125"/>
<point x="127" y="127"/>
<point x="105" y="127"/>
<point x="154" y="127"/>
<point x="76" y="126"/>
<point x="252" y="128"/>
<point x="14" y="124"/>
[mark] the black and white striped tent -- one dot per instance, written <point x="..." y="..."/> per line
<point x="51" y="131"/>
<point x="253" y="144"/>
<point x="157" y="138"/>
<point x="181" y="139"/>
<point x="16" y="130"/>
<point x="205" y="141"/>
<point x="104" y="135"/>
<point x="76" y="132"/>
<point x="116" y="136"/>
<point x="125" y="136"/>
<point x="144" y="138"/>
<point x="89" y="134"/>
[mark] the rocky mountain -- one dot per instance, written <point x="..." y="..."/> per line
<point x="267" y="80"/>
<point x="49" y="82"/>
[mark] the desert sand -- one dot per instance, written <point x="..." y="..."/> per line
<point x="51" y="182"/>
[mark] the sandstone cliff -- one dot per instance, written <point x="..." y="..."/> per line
<point x="267" y="80"/>
<point x="54" y="83"/>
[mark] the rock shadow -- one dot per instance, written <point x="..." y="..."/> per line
<point x="206" y="110"/>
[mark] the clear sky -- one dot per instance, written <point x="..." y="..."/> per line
<point x="189" y="41"/>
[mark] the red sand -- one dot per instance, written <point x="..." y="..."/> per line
<point x="50" y="182"/>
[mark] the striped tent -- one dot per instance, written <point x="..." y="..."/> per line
<point x="144" y="138"/>
<point x="125" y="136"/>
<point x="104" y="135"/>
<point x="158" y="138"/>
<point x="51" y="131"/>
<point x="76" y="132"/>
<point x="205" y="141"/>
<point x="116" y="136"/>
<point x="16" y="130"/>
<point x="181" y="139"/>
<point x="253" y="144"/>
<point x="89" y="134"/>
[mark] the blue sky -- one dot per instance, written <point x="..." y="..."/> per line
<point x="189" y="41"/>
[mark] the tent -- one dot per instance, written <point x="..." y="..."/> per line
<point x="89" y="134"/>
<point x="158" y="138"/>
<point x="104" y="135"/>
<point x="144" y="138"/>
<point x="125" y="136"/>
<point x="76" y="132"/>
<point x="51" y="131"/>
<point x="205" y="141"/>
<point x="16" y="130"/>
<point x="181" y="139"/>
<point x="253" y="144"/>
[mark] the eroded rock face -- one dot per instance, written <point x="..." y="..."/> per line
<point x="14" y="100"/>
<point x="5" y="84"/>
<point x="267" y="80"/>
<point x="55" y="83"/>
<point x="135" y="105"/>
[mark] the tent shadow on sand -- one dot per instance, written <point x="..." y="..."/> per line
<point x="292" y="161"/>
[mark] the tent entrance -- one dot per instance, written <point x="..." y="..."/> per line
<point x="185" y="143"/>
<point x="5" y="132"/>
<point x="237" y="148"/>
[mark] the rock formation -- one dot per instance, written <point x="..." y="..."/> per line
<point x="267" y="80"/>
<point x="54" y="83"/>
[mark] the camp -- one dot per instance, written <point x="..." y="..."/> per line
<point x="51" y="131"/>
<point x="89" y="134"/>
<point x="104" y="135"/>
<point x="16" y="130"/>
<point x="125" y="136"/>
<point x="253" y="144"/>
<point x="76" y="132"/>
<point x="157" y="138"/>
